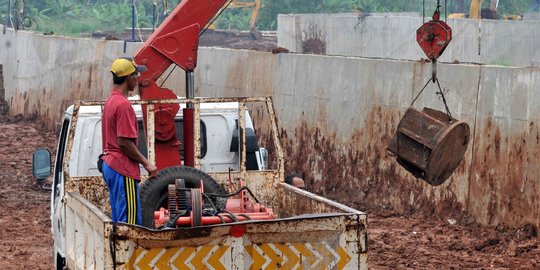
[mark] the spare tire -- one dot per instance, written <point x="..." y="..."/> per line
<point x="153" y="192"/>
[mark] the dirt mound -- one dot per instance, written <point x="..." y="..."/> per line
<point x="233" y="39"/>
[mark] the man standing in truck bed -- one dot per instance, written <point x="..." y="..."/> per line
<point x="121" y="155"/>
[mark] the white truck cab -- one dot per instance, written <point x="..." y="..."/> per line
<point x="218" y="136"/>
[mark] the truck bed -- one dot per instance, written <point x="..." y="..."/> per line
<point x="311" y="233"/>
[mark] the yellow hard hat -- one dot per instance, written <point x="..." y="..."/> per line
<point x="122" y="67"/>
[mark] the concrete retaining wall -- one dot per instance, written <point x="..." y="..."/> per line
<point x="531" y="16"/>
<point x="43" y="74"/>
<point x="508" y="43"/>
<point x="337" y="115"/>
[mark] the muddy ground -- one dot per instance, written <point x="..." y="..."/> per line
<point x="25" y="233"/>
<point x="416" y="241"/>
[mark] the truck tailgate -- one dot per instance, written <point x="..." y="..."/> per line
<point x="311" y="241"/>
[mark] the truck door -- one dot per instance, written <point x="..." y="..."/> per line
<point x="57" y="204"/>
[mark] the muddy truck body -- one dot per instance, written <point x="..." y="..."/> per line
<point x="306" y="231"/>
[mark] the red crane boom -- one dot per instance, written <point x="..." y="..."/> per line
<point x="175" y="41"/>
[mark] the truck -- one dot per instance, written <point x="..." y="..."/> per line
<point x="309" y="231"/>
<point x="219" y="201"/>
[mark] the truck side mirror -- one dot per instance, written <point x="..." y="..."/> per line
<point x="41" y="164"/>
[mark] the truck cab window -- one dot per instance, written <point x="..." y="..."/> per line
<point x="179" y="123"/>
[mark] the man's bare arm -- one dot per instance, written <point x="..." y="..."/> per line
<point x="130" y="149"/>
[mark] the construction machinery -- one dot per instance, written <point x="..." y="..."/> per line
<point x="430" y="144"/>
<point x="477" y="12"/>
<point x="255" y="6"/>
<point x="474" y="11"/>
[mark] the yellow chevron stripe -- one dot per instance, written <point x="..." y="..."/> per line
<point x="163" y="262"/>
<point x="144" y="262"/>
<point x="321" y="250"/>
<point x="330" y="256"/>
<point x="180" y="261"/>
<point x="292" y="258"/>
<point x="130" y="264"/>
<point x="198" y="259"/>
<point x="214" y="259"/>
<point x="344" y="258"/>
<point x="274" y="257"/>
<point x="307" y="258"/>
<point x="318" y="255"/>
<point x="257" y="259"/>
<point x="162" y="258"/>
<point x="303" y="258"/>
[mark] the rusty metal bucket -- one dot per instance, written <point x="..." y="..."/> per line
<point x="429" y="144"/>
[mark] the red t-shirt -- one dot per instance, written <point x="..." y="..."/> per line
<point x="119" y="120"/>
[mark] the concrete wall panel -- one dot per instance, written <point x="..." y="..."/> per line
<point x="510" y="43"/>
<point x="341" y="133"/>
<point x="507" y="43"/>
<point x="44" y="74"/>
<point x="502" y="188"/>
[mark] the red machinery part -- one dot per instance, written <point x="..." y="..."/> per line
<point x="161" y="217"/>
<point x="237" y="209"/>
<point x="243" y="206"/>
<point x="225" y="218"/>
<point x="238" y="231"/>
<point x="175" y="41"/>
<point x="434" y="36"/>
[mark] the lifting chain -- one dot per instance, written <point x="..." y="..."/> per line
<point x="441" y="93"/>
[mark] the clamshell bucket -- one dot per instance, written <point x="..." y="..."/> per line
<point x="430" y="144"/>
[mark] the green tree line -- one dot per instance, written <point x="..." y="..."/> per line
<point x="72" y="17"/>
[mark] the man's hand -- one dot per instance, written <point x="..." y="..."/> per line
<point x="152" y="170"/>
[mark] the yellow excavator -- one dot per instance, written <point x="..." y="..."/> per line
<point x="255" y="5"/>
<point x="476" y="12"/>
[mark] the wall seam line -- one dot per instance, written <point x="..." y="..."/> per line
<point x="478" y="89"/>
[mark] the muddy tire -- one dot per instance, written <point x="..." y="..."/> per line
<point x="153" y="193"/>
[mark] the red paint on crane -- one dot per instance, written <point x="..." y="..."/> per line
<point x="434" y="36"/>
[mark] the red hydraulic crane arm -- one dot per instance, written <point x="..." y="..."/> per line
<point x="177" y="38"/>
<point x="175" y="41"/>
